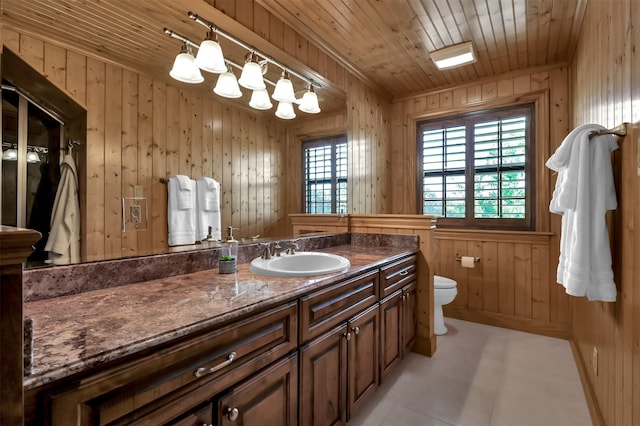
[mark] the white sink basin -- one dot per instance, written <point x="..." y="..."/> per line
<point x="302" y="264"/>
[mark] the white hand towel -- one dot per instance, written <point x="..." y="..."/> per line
<point x="584" y="192"/>
<point x="208" y="208"/>
<point x="185" y="194"/>
<point x="182" y="221"/>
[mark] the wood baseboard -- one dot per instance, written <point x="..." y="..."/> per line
<point x="594" y="409"/>
<point x="528" y="325"/>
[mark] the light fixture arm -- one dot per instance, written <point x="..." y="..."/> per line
<point x="182" y="38"/>
<point x="211" y="27"/>
<point x="188" y="42"/>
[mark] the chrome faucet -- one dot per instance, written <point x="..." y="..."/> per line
<point x="266" y="254"/>
<point x="288" y="247"/>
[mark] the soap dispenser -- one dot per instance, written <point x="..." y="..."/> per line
<point x="227" y="261"/>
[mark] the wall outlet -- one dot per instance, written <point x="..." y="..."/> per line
<point x="594" y="361"/>
<point x="135" y="215"/>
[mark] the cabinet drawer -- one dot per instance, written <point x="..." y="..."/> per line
<point x="326" y="308"/>
<point x="393" y="277"/>
<point x="180" y="376"/>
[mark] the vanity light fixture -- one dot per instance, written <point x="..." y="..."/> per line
<point x="260" y="100"/>
<point x="309" y="102"/>
<point x="251" y="77"/>
<point x="210" y="57"/>
<point x="227" y="85"/>
<point x="285" y="111"/>
<point x="454" y="56"/>
<point x="284" y="89"/>
<point x="10" y="154"/>
<point x="32" y="157"/>
<point x="184" y="69"/>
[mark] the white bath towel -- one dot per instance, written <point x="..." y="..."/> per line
<point x="208" y="208"/>
<point x="584" y="192"/>
<point x="63" y="244"/>
<point x="181" y="218"/>
<point x="185" y="194"/>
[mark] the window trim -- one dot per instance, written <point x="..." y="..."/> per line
<point x="332" y="140"/>
<point x="456" y="118"/>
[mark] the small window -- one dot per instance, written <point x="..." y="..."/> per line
<point x="476" y="169"/>
<point x="325" y="175"/>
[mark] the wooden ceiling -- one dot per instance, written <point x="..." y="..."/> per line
<point x="385" y="42"/>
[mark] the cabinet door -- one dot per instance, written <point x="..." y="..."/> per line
<point x="390" y="333"/>
<point x="323" y="379"/>
<point x="409" y="316"/>
<point x="198" y="417"/>
<point x="363" y="351"/>
<point x="268" y="398"/>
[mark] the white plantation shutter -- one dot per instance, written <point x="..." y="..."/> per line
<point x="474" y="168"/>
<point x="325" y="175"/>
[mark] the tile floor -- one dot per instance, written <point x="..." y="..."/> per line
<point x="482" y="375"/>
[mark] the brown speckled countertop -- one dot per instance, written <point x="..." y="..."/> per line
<point x="76" y="332"/>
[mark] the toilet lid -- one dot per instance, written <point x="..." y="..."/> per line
<point x="443" y="282"/>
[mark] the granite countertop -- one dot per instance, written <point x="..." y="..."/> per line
<point x="76" y="332"/>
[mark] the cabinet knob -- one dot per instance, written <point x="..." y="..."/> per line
<point x="232" y="414"/>
<point x="356" y="330"/>
<point x="347" y="336"/>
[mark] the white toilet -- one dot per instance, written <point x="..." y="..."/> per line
<point x="444" y="291"/>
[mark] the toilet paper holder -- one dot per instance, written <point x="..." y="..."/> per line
<point x="459" y="258"/>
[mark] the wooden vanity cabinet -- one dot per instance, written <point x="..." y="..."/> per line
<point x="339" y="368"/>
<point x="398" y="316"/>
<point x="161" y="386"/>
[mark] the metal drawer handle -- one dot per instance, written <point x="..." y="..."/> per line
<point x="202" y="370"/>
<point x="404" y="272"/>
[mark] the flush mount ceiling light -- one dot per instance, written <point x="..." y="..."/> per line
<point x="309" y="102"/>
<point x="453" y="56"/>
<point x="209" y="57"/>
<point x="184" y="69"/>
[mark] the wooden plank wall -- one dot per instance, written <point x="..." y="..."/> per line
<point x="366" y="112"/>
<point x="509" y="285"/>
<point x="140" y="130"/>
<point x="606" y="90"/>
<point x="492" y="293"/>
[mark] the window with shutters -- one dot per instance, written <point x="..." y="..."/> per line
<point x="325" y="175"/>
<point x="477" y="169"/>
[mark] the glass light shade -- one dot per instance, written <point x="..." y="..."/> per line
<point x="309" y="102"/>
<point x="285" y="111"/>
<point x="11" y="154"/>
<point x="227" y="86"/>
<point x="260" y="100"/>
<point x="184" y="69"/>
<point x="32" y="157"/>
<point x="251" y="77"/>
<point x="210" y="58"/>
<point x="284" y="90"/>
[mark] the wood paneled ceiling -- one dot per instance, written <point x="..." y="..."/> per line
<point x="385" y="42"/>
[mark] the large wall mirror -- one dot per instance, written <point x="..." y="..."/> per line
<point x="37" y="121"/>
